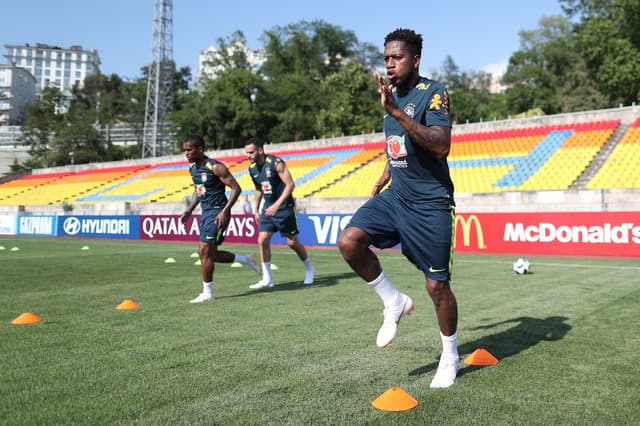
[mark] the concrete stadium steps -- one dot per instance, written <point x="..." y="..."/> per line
<point x="621" y="169"/>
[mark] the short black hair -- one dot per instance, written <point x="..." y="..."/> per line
<point x="410" y="37"/>
<point x="195" y="141"/>
<point x="255" y="141"/>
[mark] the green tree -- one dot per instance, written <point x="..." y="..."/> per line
<point x="225" y="109"/>
<point x="469" y="93"/>
<point x="231" y="53"/>
<point x="536" y="70"/>
<point x="43" y="120"/>
<point x="224" y="113"/>
<point x="299" y="58"/>
<point x="315" y="49"/>
<point x="352" y="103"/>
<point x="77" y="142"/>
<point x="64" y="129"/>
<point x="608" y="38"/>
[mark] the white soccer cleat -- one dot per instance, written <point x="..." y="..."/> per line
<point x="309" y="276"/>
<point x="202" y="298"/>
<point x="392" y="316"/>
<point x="252" y="263"/>
<point x="261" y="284"/>
<point x="446" y="374"/>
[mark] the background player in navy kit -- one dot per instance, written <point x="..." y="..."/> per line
<point x="211" y="178"/>
<point x="417" y="210"/>
<point x="275" y="185"/>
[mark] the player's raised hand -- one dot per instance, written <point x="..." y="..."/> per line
<point x="386" y="93"/>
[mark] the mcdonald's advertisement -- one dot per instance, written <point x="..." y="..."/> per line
<point x="577" y="233"/>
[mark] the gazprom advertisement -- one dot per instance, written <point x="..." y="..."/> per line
<point x="99" y="226"/>
<point x="37" y="225"/>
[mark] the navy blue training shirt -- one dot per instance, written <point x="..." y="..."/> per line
<point x="416" y="175"/>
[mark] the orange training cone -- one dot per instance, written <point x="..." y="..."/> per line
<point x="481" y="357"/>
<point x="26" y="318"/>
<point x="394" y="399"/>
<point x="127" y="304"/>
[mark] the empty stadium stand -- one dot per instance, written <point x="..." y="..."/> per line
<point x="538" y="158"/>
<point x="58" y="188"/>
<point x="534" y="156"/>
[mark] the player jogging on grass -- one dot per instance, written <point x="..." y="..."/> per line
<point x="274" y="185"/>
<point x="417" y="209"/>
<point x="211" y="177"/>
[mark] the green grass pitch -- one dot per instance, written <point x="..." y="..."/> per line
<point x="567" y="337"/>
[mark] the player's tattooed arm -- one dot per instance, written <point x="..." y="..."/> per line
<point x="433" y="139"/>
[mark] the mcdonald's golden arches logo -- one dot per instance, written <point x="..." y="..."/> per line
<point x="465" y="224"/>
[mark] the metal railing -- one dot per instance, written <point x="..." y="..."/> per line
<point x="118" y="134"/>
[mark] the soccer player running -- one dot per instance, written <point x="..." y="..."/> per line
<point x="211" y="177"/>
<point x="417" y="209"/>
<point x="275" y="185"/>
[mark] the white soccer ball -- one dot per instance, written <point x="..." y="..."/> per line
<point x="521" y="266"/>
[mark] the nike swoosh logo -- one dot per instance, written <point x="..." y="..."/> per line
<point x="436" y="270"/>
<point x="209" y="238"/>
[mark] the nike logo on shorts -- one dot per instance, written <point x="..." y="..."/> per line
<point x="436" y="270"/>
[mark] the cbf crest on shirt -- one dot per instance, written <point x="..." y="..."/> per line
<point x="267" y="180"/>
<point x="209" y="188"/>
<point x="416" y="174"/>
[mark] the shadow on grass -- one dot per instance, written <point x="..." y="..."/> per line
<point x="526" y="333"/>
<point x="323" y="280"/>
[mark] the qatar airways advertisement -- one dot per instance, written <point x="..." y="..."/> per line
<point x="241" y="229"/>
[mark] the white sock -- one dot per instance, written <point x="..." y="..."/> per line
<point x="241" y="258"/>
<point x="207" y="288"/>
<point x="307" y="265"/>
<point x="450" y="346"/>
<point x="385" y="289"/>
<point x="266" y="272"/>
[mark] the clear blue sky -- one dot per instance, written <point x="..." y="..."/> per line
<point x="478" y="35"/>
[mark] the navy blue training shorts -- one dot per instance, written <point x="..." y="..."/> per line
<point x="210" y="233"/>
<point x="285" y="221"/>
<point x="425" y="231"/>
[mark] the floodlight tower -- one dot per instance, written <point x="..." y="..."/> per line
<point x="160" y="82"/>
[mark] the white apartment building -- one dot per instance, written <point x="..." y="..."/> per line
<point x="53" y="65"/>
<point x="17" y="89"/>
<point x="255" y="58"/>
